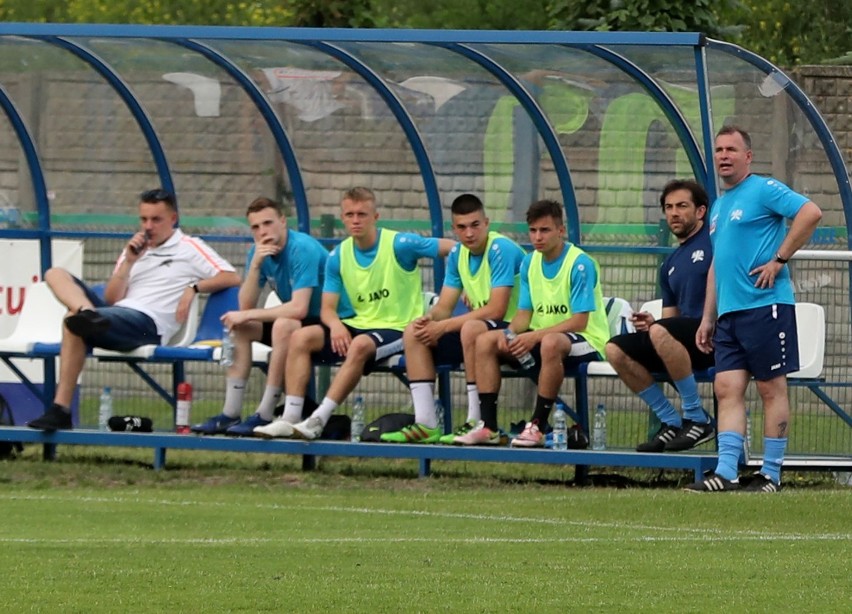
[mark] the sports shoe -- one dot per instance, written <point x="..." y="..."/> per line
<point x="277" y="428"/>
<point x="530" y="437"/>
<point x="691" y="434"/>
<point x="761" y="483"/>
<point x="217" y="425"/>
<point x="86" y="323"/>
<point x="450" y="438"/>
<point x="309" y="428"/>
<point x="54" y="419"/>
<point x="416" y="433"/>
<point x="713" y="483"/>
<point x="480" y="435"/>
<point x="246" y="429"/>
<point x="658" y="442"/>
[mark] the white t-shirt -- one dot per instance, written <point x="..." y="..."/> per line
<point x="161" y="275"/>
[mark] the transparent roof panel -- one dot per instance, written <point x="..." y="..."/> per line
<point x="785" y="144"/>
<point x="338" y="124"/>
<point x="78" y="121"/>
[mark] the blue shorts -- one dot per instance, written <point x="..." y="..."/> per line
<point x="128" y="328"/>
<point x="448" y="351"/>
<point x="388" y="342"/>
<point x="763" y="341"/>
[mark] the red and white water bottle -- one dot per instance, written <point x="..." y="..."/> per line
<point x="184" y="404"/>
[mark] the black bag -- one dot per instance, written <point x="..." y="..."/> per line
<point x="388" y="423"/>
<point x="8" y="449"/>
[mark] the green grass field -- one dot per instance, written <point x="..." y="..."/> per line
<point x="97" y="531"/>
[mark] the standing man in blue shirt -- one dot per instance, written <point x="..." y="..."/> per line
<point x="750" y="304"/>
<point x="293" y="264"/>
<point x="668" y="344"/>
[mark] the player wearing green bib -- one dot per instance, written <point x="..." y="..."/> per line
<point x="561" y="321"/>
<point x="485" y="266"/>
<point x="372" y="290"/>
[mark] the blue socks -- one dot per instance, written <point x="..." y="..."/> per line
<point x="773" y="455"/>
<point x="657" y="401"/>
<point x="692" y="408"/>
<point x="730" y="448"/>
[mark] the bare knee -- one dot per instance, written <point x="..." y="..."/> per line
<point x="55" y="275"/>
<point x="361" y="350"/>
<point x="553" y="347"/>
<point x="283" y="329"/>
<point x="471" y="330"/>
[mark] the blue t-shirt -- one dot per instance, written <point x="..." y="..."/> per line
<point x="747" y="227"/>
<point x="584" y="278"/>
<point x="301" y="264"/>
<point x="683" y="275"/>
<point x="504" y="257"/>
<point x="408" y="248"/>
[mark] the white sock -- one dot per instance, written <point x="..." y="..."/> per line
<point x="473" y="413"/>
<point x="235" y="390"/>
<point x="293" y="407"/>
<point x="270" y="399"/>
<point x="325" y="409"/>
<point x="423" y="395"/>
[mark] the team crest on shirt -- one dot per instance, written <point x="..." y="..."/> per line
<point x="698" y="256"/>
<point x="736" y="215"/>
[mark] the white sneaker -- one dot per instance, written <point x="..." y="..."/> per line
<point x="276" y="428"/>
<point x="310" y="428"/>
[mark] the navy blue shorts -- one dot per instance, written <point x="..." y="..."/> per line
<point x="448" y="351"/>
<point x="638" y="345"/>
<point x="128" y="328"/>
<point x="763" y="341"/>
<point x="266" y="332"/>
<point x="388" y="342"/>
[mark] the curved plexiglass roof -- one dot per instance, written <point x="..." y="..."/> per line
<point x="599" y="121"/>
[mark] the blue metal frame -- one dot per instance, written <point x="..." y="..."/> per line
<point x="353" y="35"/>
<point x="126" y="94"/>
<point x="272" y="120"/>
<point x="706" y="122"/>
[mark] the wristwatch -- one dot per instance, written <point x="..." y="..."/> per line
<point x="778" y="258"/>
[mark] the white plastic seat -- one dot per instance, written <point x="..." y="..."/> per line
<point x="40" y="321"/>
<point x="810" y="322"/>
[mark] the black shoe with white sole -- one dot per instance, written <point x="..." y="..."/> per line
<point x="658" y="442"/>
<point x="713" y="483"/>
<point x="691" y="434"/>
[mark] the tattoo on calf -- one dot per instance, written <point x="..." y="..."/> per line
<point x="782" y="429"/>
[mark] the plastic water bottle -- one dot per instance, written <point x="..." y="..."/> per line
<point x="527" y="361"/>
<point x="439" y="414"/>
<point x="560" y="428"/>
<point x="227" y="358"/>
<point x="105" y="409"/>
<point x="599" y="428"/>
<point x="357" y="419"/>
<point x="747" y="442"/>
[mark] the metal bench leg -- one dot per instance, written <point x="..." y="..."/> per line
<point x="425" y="467"/>
<point x="309" y="462"/>
<point x="159" y="458"/>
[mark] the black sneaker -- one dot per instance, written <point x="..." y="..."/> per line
<point x="761" y="483"/>
<point x="691" y="434"/>
<point x="658" y="442"/>
<point x="54" y="419"/>
<point x="86" y="322"/>
<point x="713" y="483"/>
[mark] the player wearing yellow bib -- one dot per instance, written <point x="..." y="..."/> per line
<point x="485" y="266"/>
<point x="372" y="290"/>
<point x="560" y="320"/>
